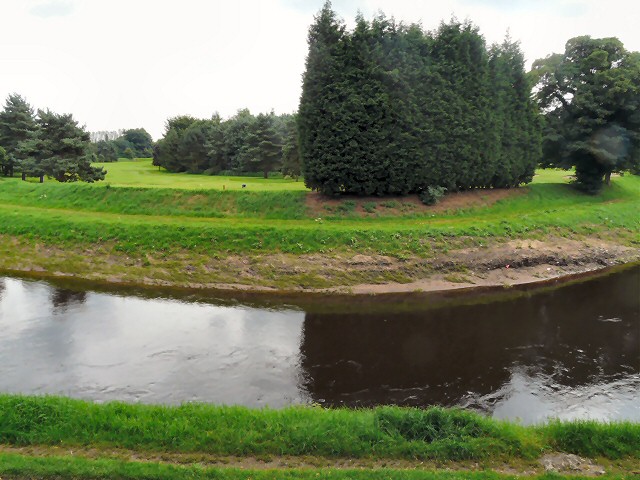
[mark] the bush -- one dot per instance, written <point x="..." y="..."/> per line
<point x="431" y="195"/>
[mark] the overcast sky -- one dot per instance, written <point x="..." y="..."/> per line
<point x="134" y="63"/>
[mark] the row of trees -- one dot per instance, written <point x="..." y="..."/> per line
<point x="243" y="143"/>
<point x="131" y="143"/>
<point x="391" y="109"/>
<point x="45" y="143"/>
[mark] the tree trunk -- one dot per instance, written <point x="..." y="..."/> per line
<point x="24" y="176"/>
<point x="607" y="178"/>
<point x="41" y="178"/>
<point x="266" y="174"/>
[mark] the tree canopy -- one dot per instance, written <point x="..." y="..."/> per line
<point x="241" y="144"/>
<point x="591" y="98"/>
<point x="390" y="109"/>
<point x="17" y="123"/>
<point x="58" y="148"/>
<point x="44" y="144"/>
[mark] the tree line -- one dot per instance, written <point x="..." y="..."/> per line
<point x="391" y="109"/>
<point x="131" y="143"/>
<point x="241" y="144"/>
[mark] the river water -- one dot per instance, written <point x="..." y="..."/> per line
<point x="563" y="352"/>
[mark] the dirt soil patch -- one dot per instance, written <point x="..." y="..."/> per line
<point x="553" y="462"/>
<point x="320" y="205"/>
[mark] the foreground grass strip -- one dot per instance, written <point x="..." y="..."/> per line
<point x="386" y="432"/>
<point x="14" y="466"/>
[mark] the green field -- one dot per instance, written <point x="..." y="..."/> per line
<point x="140" y="173"/>
<point x="63" y="438"/>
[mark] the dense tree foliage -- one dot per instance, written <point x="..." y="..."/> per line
<point x="17" y="123"/>
<point x="47" y="144"/>
<point x="58" y="148"/>
<point x="241" y="144"/>
<point x="390" y="109"/>
<point x="132" y="143"/>
<point x="591" y="97"/>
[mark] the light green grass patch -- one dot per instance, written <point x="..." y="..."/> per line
<point x="141" y="173"/>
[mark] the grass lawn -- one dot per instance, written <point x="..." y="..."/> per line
<point x="140" y="173"/>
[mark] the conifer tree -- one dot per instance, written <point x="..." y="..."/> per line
<point x="58" y="148"/>
<point x="320" y="125"/>
<point x="17" y="123"/>
<point x="263" y="150"/>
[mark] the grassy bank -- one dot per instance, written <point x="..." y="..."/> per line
<point x="185" y="237"/>
<point x="178" y="442"/>
<point x="385" y="432"/>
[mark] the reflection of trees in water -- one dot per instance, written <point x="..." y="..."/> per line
<point x="62" y="298"/>
<point x="576" y="335"/>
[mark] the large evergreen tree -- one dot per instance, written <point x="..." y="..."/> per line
<point x="58" y="148"/>
<point x="515" y="119"/>
<point x="591" y="98"/>
<point x="320" y="124"/>
<point x="390" y="109"/>
<point x="17" y="123"/>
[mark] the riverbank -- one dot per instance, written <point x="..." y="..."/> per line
<point x="49" y="437"/>
<point x="504" y="264"/>
<point x="295" y="241"/>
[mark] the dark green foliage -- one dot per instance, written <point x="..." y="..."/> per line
<point x="5" y="165"/>
<point x="17" y="123"/>
<point x="242" y="144"/>
<point x="140" y="142"/>
<point x="291" y="164"/>
<point x="106" y="151"/>
<point x="591" y="99"/>
<point x="58" y="148"/>
<point x="432" y="424"/>
<point x="390" y="109"/>
<point x="263" y="149"/>
<point x="193" y="153"/>
<point x="166" y="152"/>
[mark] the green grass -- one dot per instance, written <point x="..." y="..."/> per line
<point x="103" y="198"/>
<point x="238" y="431"/>
<point x="236" y="223"/>
<point x="140" y="173"/>
<point x="384" y="432"/>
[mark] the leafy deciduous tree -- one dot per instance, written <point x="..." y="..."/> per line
<point x="591" y="98"/>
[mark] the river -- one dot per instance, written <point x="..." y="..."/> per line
<point x="526" y="354"/>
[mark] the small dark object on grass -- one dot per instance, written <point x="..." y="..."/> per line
<point x="244" y="185"/>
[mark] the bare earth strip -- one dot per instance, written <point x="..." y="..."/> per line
<point x="503" y="264"/>
<point x="561" y="463"/>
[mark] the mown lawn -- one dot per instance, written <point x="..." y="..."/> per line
<point x="140" y="173"/>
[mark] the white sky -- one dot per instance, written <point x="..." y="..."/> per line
<point x="134" y="63"/>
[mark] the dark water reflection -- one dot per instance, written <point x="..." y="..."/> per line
<point x="572" y="352"/>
